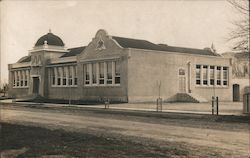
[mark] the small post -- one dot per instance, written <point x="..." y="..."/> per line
<point x="217" y="105"/>
<point x="212" y="105"/>
<point x="106" y="103"/>
<point x="159" y="104"/>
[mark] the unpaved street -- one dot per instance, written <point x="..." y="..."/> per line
<point x="231" y="138"/>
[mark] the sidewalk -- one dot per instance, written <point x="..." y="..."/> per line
<point x="225" y="108"/>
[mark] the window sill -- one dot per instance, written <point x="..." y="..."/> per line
<point x="21" y="87"/>
<point x="107" y="85"/>
<point x="63" y="86"/>
<point x="206" y="86"/>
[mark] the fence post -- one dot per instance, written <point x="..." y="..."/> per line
<point x="106" y="102"/>
<point x="217" y="105"/>
<point x="212" y="105"/>
<point x="159" y="104"/>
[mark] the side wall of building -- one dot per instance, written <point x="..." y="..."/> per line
<point x="151" y="74"/>
<point x="20" y="91"/>
<point x="91" y="93"/>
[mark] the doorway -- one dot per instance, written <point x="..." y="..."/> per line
<point x="236" y="92"/>
<point x="182" y="81"/>
<point x="35" y="85"/>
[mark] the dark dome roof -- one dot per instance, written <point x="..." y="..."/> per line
<point x="51" y="40"/>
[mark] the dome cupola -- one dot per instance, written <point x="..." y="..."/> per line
<point x="49" y="39"/>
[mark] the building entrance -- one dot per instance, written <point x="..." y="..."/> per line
<point x="35" y="85"/>
<point x="236" y="92"/>
<point x="182" y="81"/>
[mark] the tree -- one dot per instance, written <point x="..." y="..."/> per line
<point x="4" y="89"/>
<point x="240" y="34"/>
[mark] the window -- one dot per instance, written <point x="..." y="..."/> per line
<point x="53" y="76"/>
<point x="87" y="73"/>
<point x="14" y="78"/>
<point x="109" y="72"/>
<point x="21" y="78"/>
<point x="26" y="78"/>
<point x="70" y="76"/>
<point x="225" y="76"/>
<point x="58" y="76"/>
<point x="75" y="75"/>
<point x="117" y="72"/>
<point x="198" y="74"/>
<point x="101" y="73"/>
<point x="64" y="76"/>
<point x="205" y="76"/>
<point x="18" y="75"/>
<point x="211" y="75"/>
<point x="218" y="74"/>
<point x="94" y="79"/>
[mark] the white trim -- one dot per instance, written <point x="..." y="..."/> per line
<point x="100" y="59"/>
<point x="56" y="49"/>
<point x="20" y="65"/>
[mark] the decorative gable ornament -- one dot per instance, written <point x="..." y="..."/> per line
<point x="100" y="45"/>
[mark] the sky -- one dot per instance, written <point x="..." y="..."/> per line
<point x="192" y="23"/>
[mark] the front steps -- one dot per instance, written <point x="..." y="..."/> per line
<point x="190" y="97"/>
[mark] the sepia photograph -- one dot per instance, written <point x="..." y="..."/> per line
<point x="124" y="79"/>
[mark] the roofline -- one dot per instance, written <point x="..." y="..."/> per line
<point x="147" y="50"/>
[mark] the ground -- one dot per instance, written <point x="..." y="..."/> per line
<point x="47" y="131"/>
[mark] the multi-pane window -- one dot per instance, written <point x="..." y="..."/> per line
<point x="14" y="79"/>
<point x="87" y="73"/>
<point x="58" y="76"/>
<point x="198" y="74"/>
<point x="101" y="73"/>
<point x="205" y="73"/>
<point x="109" y="72"/>
<point x="117" y="72"/>
<point x="94" y="70"/>
<point x="75" y="75"/>
<point x="218" y="75"/>
<point x="211" y="75"/>
<point x="70" y="80"/>
<point x="64" y="76"/>
<point x="225" y="76"/>
<point x="25" y="78"/>
<point x="53" y="76"/>
<point x="20" y="78"/>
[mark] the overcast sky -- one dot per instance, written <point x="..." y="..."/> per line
<point x="192" y="23"/>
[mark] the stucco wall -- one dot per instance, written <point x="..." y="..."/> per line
<point x="147" y="68"/>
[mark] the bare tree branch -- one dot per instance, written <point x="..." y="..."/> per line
<point x="240" y="34"/>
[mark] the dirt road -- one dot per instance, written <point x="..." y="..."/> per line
<point x="231" y="139"/>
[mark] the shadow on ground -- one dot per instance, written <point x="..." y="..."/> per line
<point x="27" y="141"/>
